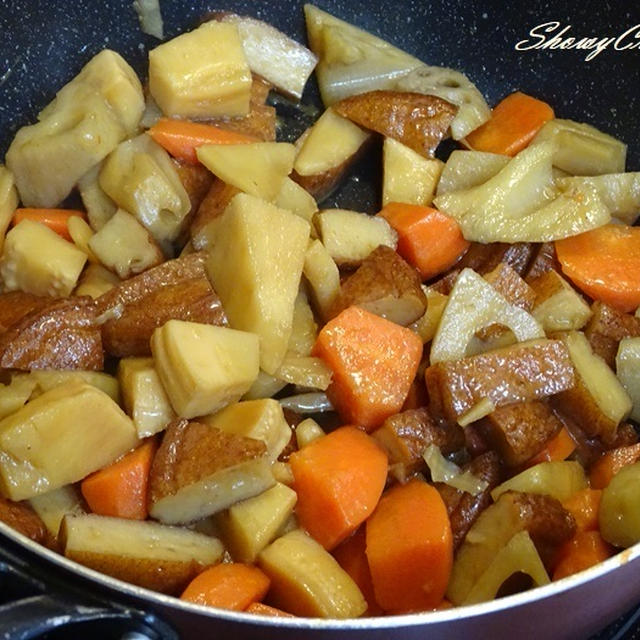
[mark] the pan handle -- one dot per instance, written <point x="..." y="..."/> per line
<point x="42" y="606"/>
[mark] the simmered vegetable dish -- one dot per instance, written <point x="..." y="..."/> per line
<point x="217" y="389"/>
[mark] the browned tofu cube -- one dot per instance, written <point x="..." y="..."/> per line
<point x="607" y="327"/>
<point x="519" y="431"/>
<point x="522" y="372"/>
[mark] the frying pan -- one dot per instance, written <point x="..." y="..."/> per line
<point x="44" y="43"/>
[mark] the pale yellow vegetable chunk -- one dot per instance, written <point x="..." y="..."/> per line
<point x="322" y="274"/>
<point x="259" y="168"/>
<point x="628" y="371"/>
<point x="296" y="199"/>
<point x="249" y="526"/>
<point x="307" y="581"/>
<point x="560" y="480"/>
<point x="37" y="260"/>
<point x="143" y="396"/>
<point x="125" y="246"/>
<point x="8" y="201"/>
<point x="141" y="178"/>
<point x="202" y="367"/>
<point x="255" y="265"/>
<point x="202" y="73"/>
<point x="331" y="141"/>
<point x="408" y="176"/>
<point x="90" y="115"/>
<point x="53" y="506"/>
<point x="59" y="438"/>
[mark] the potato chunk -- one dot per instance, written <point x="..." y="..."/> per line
<point x="59" y="438"/>
<point x="307" y="580"/>
<point x="321" y="272"/>
<point x="350" y="237"/>
<point x="255" y="266"/>
<point x="90" y="115"/>
<point x="249" y="526"/>
<point x="204" y="368"/>
<point x="258" y="168"/>
<point x="148" y="554"/>
<point x="54" y="505"/>
<point x="200" y="470"/>
<point x="143" y="396"/>
<point x="125" y="246"/>
<point x="37" y="260"/>
<point x="407" y="176"/>
<point x="386" y="285"/>
<point x="202" y="73"/>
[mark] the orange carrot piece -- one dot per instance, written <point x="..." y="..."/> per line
<point x="583" y="506"/>
<point x="427" y="238"/>
<point x="351" y="556"/>
<point x="607" y="465"/>
<point x="181" y="138"/>
<point x="605" y="264"/>
<point x="558" y="448"/>
<point x="584" y="550"/>
<point x="261" y="609"/>
<point x="339" y="479"/>
<point x="55" y="219"/>
<point x="410" y="548"/>
<point x="514" y="123"/>
<point x="373" y="361"/>
<point x="120" y="489"/>
<point x="228" y="586"/>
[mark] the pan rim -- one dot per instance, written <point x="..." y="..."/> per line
<point x="118" y="586"/>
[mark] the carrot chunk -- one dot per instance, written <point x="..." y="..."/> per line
<point x="558" y="448"/>
<point x="428" y="239"/>
<point x="605" y="264"/>
<point x="605" y="467"/>
<point x="228" y="586"/>
<point x="339" y="479"/>
<point x="55" y="219"/>
<point x="584" y="550"/>
<point x="120" y="490"/>
<point x="513" y="125"/>
<point x="583" y="505"/>
<point x="373" y="361"/>
<point x="181" y="138"/>
<point x="410" y="548"/>
<point x="351" y="556"/>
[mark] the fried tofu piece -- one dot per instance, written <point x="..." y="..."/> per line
<point x="509" y="284"/>
<point x="406" y="435"/>
<point x="200" y="470"/>
<point x="21" y="517"/>
<point x="522" y="372"/>
<point x="607" y="327"/>
<point x="175" y="290"/>
<point x="483" y="258"/>
<point x="416" y="120"/>
<point x="544" y="260"/>
<point x="386" y="285"/>
<point x="15" y="305"/>
<point x="62" y="335"/>
<point x="464" y="508"/>
<point x="519" y="431"/>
